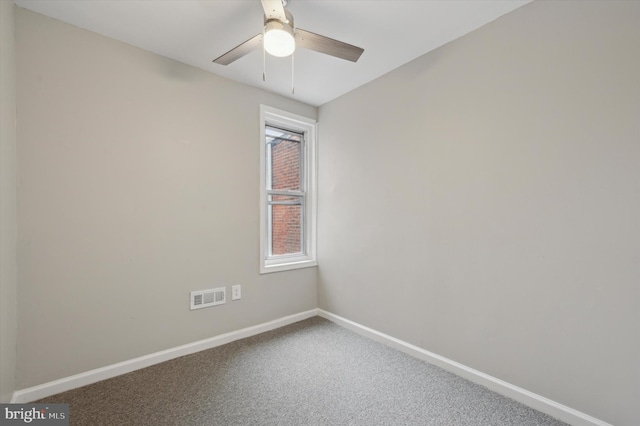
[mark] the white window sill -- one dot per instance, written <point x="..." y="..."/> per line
<point x="287" y="266"/>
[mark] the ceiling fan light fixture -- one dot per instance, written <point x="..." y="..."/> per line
<point x="278" y="39"/>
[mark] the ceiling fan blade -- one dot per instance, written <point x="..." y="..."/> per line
<point x="240" y="50"/>
<point x="273" y="9"/>
<point x="327" y="45"/>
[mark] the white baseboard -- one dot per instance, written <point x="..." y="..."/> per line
<point x="530" y="399"/>
<point x="93" y="376"/>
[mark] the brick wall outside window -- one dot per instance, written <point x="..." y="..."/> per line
<point x="286" y="221"/>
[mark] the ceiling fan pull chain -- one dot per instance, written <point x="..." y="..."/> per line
<point x="264" y="60"/>
<point x="293" y="89"/>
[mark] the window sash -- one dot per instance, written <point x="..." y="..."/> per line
<point x="302" y="225"/>
<point x="285" y="136"/>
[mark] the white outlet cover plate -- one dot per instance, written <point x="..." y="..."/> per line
<point x="236" y="292"/>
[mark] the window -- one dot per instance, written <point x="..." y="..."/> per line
<point x="287" y="191"/>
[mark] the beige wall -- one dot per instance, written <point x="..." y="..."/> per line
<point x="482" y="202"/>
<point x="138" y="184"/>
<point x="8" y="229"/>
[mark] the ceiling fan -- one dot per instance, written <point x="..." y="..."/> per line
<point x="280" y="38"/>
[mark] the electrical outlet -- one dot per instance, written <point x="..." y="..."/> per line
<point x="236" y="292"/>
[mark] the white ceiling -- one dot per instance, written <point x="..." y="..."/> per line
<point x="392" y="33"/>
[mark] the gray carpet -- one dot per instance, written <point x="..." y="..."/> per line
<point x="309" y="373"/>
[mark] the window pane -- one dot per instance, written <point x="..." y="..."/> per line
<point x="286" y="224"/>
<point x="284" y="159"/>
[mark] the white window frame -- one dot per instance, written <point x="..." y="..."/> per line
<point x="308" y="127"/>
